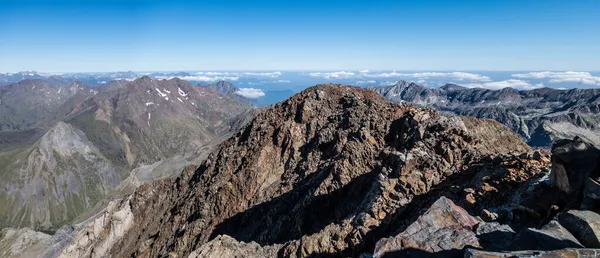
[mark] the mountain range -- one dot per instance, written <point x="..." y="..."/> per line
<point x="328" y="172"/>
<point x="66" y="148"/>
<point x="156" y="168"/>
<point x="541" y="116"/>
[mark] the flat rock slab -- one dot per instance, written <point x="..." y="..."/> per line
<point x="584" y="225"/>
<point x="552" y="236"/>
<point x="444" y="227"/>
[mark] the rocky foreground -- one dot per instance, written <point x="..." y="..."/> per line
<point x="338" y="171"/>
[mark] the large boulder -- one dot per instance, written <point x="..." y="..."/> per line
<point x="584" y="225"/>
<point x="444" y="227"/>
<point x="573" y="161"/>
<point x="552" y="236"/>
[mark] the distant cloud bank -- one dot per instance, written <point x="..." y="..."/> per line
<point x="513" y="83"/>
<point x="250" y="93"/>
<point x="560" y="77"/>
<point x="460" y="76"/>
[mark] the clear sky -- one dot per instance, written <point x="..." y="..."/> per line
<point x="88" y="35"/>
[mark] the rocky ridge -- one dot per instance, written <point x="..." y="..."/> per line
<point x="330" y="171"/>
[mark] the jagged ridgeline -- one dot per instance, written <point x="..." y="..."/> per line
<point x="328" y="172"/>
<point x="64" y="149"/>
<point x="541" y="116"/>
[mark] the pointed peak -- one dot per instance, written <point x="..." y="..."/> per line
<point x="452" y="87"/>
<point x="223" y="87"/>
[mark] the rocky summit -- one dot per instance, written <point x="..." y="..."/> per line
<point x="329" y="172"/>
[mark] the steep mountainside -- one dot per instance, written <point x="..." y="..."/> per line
<point x="327" y="172"/>
<point x="540" y="116"/>
<point x="84" y="141"/>
<point x="23" y="105"/>
<point x="55" y="179"/>
<point x="148" y="120"/>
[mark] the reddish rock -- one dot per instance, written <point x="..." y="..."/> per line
<point x="445" y="226"/>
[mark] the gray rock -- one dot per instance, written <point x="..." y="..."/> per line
<point x="494" y="236"/>
<point x="226" y="246"/>
<point x="552" y="236"/>
<point x="584" y="225"/>
<point x="573" y="161"/>
<point x="570" y="252"/>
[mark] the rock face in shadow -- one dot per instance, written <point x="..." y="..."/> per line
<point x="327" y="172"/>
<point x="573" y="161"/>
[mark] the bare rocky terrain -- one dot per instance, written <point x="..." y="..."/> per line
<point x="338" y="171"/>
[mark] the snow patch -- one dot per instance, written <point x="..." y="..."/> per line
<point x="182" y="93"/>
<point x="167" y="91"/>
<point x="179" y="99"/>
<point x="149" y="103"/>
<point x="149" y="115"/>
<point x="161" y="93"/>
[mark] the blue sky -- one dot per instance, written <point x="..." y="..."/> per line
<point x="88" y="35"/>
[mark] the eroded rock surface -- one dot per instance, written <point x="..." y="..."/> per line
<point x="443" y="227"/>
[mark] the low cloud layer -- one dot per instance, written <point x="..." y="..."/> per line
<point x="202" y="78"/>
<point x="452" y="76"/>
<point x="562" y="77"/>
<point x="334" y="75"/>
<point x="250" y="93"/>
<point x="513" y="83"/>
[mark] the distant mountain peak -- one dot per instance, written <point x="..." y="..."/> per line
<point x="224" y="87"/>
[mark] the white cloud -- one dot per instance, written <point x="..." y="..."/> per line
<point x="387" y="83"/>
<point x="513" y="83"/>
<point x="268" y="82"/>
<point x="366" y="82"/>
<point x="456" y="76"/>
<point x="334" y="75"/>
<point x="271" y="75"/>
<point x="561" y="77"/>
<point x="216" y="73"/>
<point x="250" y="93"/>
<point x="201" y="78"/>
<point x="460" y="76"/>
